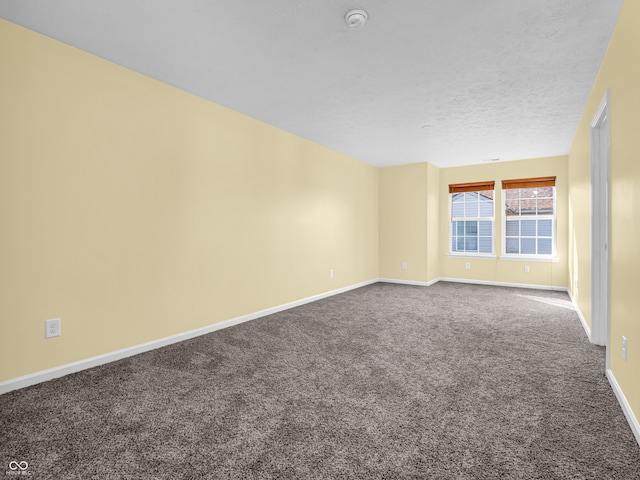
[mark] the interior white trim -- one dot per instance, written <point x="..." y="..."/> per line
<point x="604" y="104"/>
<point x="583" y="320"/>
<point x="525" y="258"/>
<point x="62" y="370"/>
<point x="626" y="408"/>
<point x="505" y="284"/>
<point x="482" y="256"/>
<point x="600" y="224"/>
<point x="409" y="282"/>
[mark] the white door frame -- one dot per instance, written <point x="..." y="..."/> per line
<point x="600" y="211"/>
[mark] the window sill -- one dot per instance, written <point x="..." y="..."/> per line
<point x="487" y="256"/>
<point x="531" y="258"/>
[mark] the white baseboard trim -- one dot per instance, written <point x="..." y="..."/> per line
<point x="505" y="284"/>
<point x="51" y="373"/>
<point x="476" y="282"/>
<point x="409" y="282"/>
<point x="583" y="321"/>
<point x="626" y="408"/>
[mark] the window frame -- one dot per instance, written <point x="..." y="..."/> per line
<point x="475" y="187"/>
<point x="522" y="184"/>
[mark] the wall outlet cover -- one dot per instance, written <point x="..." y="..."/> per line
<point x="52" y="328"/>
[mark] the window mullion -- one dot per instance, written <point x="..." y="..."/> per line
<point x="521" y="200"/>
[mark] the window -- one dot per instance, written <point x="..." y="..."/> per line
<point x="472" y="215"/>
<point x="530" y="216"/>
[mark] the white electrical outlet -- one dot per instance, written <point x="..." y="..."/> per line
<point x="331" y="273"/>
<point x="467" y="265"/>
<point x="624" y="347"/>
<point x="526" y="269"/>
<point x="404" y="265"/>
<point x="52" y="328"/>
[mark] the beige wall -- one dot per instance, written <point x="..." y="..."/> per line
<point x="408" y="234"/>
<point x="414" y="224"/>
<point x="135" y="211"/>
<point x="433" y="232"/>
<point x="547" y="274"/>
<point x="619" y="72"/>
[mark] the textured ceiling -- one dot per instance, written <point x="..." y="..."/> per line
<point x="451" y="82"/>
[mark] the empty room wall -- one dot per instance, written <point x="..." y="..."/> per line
<point x="620" y="73"/>
<point x="408" y="231"/>
<point x="541" y="273"/>
<point x="134" y="211"/>
<point x="415" y="219"/>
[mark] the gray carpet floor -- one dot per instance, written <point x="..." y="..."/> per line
<point x="387" y="381"/>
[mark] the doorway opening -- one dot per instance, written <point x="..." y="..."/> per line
<point x="600" y="211"/>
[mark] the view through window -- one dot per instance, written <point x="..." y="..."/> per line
<point x="472" y="217"/>
<point x="529" y="212"/>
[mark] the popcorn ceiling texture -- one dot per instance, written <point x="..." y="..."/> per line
<point x="449" y="82"/>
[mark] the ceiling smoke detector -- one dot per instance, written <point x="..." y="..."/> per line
<point x="356" y="18"/>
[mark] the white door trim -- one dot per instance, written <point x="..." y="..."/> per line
<point x="600" y="200"/>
